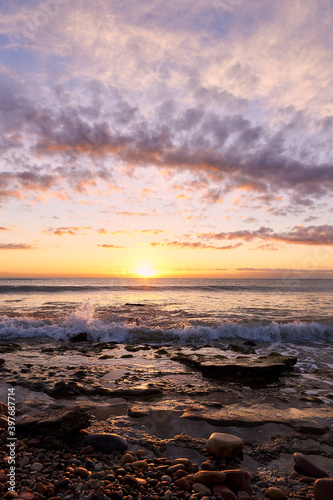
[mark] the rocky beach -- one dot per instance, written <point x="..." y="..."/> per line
<point x="269" y="410"/>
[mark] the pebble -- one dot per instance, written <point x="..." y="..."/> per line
<point x="208" y="465"/>
<point x="141" y="464"/>
<point x="41" y="488"/>
<point x="275" y="494"/>
<point x="308" y="467"/>
<point x="127" y="458"/>
<point x="209" y="477"/>
<point x="183" y="484"/>
<point x="36" y="467"/>
<point x="130" y="480"/>
<point x="26" y="495"/>
<point x="141" y="453"/>
<point x="168" y="495"/>
<point x="323" y="489"/>
<point x="201" y="488"/>
<point x="224" y="492"/>
<point x="239" y="480"/>
<point x="11" y="494"/>
<point x="167" y="478"/>
<point x="81" y="472"/>
<point x="25" y="461"/>
<point x="3" y="477"/>
<point x="224" y="445"/>
<point x="174" y="468"/>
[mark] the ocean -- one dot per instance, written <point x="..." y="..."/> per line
<point x="160" y="310"/>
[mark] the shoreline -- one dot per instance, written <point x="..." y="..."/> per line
<point x="169" y="408"/>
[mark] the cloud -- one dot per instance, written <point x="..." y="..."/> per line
<point x="4" y="229"/>
<point x="299" y="235"/>
<point x="193" y="245"/>
<point x="15" y="246"/>
<point x="71" y="231"/>
<point x="110" y="246"/>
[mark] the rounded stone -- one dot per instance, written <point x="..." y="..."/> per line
<point x="25" y="461"/>
<point x="26" y="495"/>
<point x="106" y="442"/>
<point x="41" y="488"/>
<point x="127" y="459"/>
<point x="10" y="494"/>
<point x="208" y="465"/>
<point x="239" y="480"/>
<point x="183" y="484"/>
<point x="141" y="453"/>
<point x="36" y="467"/>
<point x="140" y="464"/>
<point x="81" y="472"/>
<point x="201" y="488"/>
<point x="224" y="445"/>
<point x="306" y="466"/>
<point x="275" y="494"/>
<point x="323" y="489"/>
<point x="208" y="477"/>
<point x="224" y="492"/>
<point x="130" y="480"/>
<point x="3" y="477"/>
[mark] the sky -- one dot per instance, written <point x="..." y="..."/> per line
<point x="172" y="139"/>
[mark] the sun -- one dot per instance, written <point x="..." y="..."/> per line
<point x="145" y="271"/>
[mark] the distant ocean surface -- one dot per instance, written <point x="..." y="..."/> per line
<point x="163" y="310"/>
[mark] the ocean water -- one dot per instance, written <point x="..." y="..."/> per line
<point x="168" y="310"/>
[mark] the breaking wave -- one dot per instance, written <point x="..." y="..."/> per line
<point x="83" y="320"/>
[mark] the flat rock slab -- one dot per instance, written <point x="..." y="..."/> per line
<point x="60" y="422"/>
<point x="260" y="414"/>
<point x="244" y="367"/>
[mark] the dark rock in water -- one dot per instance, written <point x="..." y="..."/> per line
<point x="60" y="422"/>
<point x="323" y="489"/>
<point x="80" y="337"/>
<point x="106" y="442"/>
<point x="307" y="467"/>
<point x="241" y="349"/>
<point x="263" y="368"/>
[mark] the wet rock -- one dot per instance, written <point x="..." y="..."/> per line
<point x="107" y="442"/>
<point x="274" y="494"/>
<point x="306" y="466"/>
<point x="323" y="489"/>
<point x="264" y="368"/>
<point x="208" y="477"/>
<point x="80" y="337"/>
<point x="58" y="422"/>
<point x="239" y="480"/>
<point x="201" y="488"/>
<point x="223" y="445"/>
